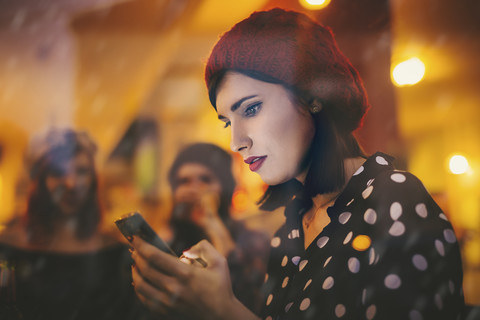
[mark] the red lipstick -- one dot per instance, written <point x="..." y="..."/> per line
<point x="254" y="162"/>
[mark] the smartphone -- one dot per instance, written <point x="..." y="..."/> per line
<point x="133" y="224"/>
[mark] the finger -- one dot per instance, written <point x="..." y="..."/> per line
<point x="152" y="305"/>
<point x="160" y="260"/>
<point x="155" y="299"/>
<point x="207" y="252"/>
<point x="154" y="277"/>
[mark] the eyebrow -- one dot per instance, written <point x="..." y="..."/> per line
<point x="237" y="105"/>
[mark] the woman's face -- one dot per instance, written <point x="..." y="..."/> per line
<point x="195" y="181"/>
<point x="270" y="132"/>
<point x="69" y="184"/>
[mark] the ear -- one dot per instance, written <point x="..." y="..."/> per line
<point x="315" y="106"/>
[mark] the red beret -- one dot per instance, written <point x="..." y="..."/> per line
<point x="291" y="48"/>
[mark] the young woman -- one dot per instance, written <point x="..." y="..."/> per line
<point x="361" y="239"/>
<point x="202" y="184"/>
<point x="66" y="267"/>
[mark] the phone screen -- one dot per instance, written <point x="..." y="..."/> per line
<point x="133" y="224"/>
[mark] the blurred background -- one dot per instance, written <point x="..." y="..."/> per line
<point x="130" y="72"/>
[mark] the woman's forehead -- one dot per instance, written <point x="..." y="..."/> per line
<point x="191" y="168"/>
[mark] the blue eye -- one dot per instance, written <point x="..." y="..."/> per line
<point x="252" y="110"/>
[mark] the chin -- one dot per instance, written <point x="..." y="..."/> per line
<point x="273" y="181"/>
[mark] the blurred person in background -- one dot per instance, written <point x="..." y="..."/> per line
<point x="361" y="240"/>
<point x="202" y="186"/>
<point x="65" y="266"/>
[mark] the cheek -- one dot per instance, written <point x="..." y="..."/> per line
<point x="83" y="186"/>
<point x="52" y="184"/>
<point x="178" y="193"/>
<point x="183" y="193"/>
<point x="216" y="188"/>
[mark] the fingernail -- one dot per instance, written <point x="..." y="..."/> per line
<point x="190" y="255"/>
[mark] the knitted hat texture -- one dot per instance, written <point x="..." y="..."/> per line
<point x="293" y="49"/>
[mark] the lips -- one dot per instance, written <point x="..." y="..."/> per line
<point x="255" y="163"/>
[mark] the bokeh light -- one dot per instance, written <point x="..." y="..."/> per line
<point x="240" y="200"/>
<point x="458" y="164"/>
<point x="314" y="4"/>
<point x="408" y="72"/>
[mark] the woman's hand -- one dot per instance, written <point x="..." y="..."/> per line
<point x="167" y="285"/>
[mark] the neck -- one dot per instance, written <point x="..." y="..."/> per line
<point x="323" y="200"/>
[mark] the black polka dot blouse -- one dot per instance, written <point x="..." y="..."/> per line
<point x="388" y="253"/>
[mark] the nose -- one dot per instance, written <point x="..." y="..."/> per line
<point x="240" y="140"/>
<point x="69" y="181"/>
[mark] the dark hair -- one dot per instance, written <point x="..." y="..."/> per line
<point x="46" y="155"/>
<point x="218" y="161"/>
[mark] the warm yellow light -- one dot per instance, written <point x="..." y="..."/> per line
<point x="408" y="72"/>
<point x="314" y="4"/>
<point x="361" y="242"/>
<point x="240" y="200"/>
<point x="458" y="164"/>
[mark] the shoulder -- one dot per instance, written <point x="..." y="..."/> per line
<point x="108" y="240"/>
<point x="248" y="237"/>
<point x="395" y="185"/>
<point x="397" y="204"/>
<point x="13" y="234"/>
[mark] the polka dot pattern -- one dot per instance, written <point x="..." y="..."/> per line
<point x="284" y="261"/>
<point x="395" y="210"/>
<point x="348" y="237"/>
<point x="340" y="310"/>
<point x="288" y="306"/>
<point x="392" y="281"/>
<point x="344" y="217"/>
<point x="305" y="304"/>
<point x="327" y="261"/>
<point x="449" y="235"/>
<point x="371" y="311"/>
<point x="269" y="299"/>
<point x="302" y="264"/>
<point x="322" y="242"/>
<point x="359" y="170"/>
<point x="353" y="265"/>
<point x="294" y="234"/>
<point x="275" y="242"/>
<point x="451" y="286"/>
<point x="296" y="260"/>
<point x="421" y="210"/>
<point x="307" y="284"/>
<point x="443" y="216"/>
<point x="440" y="247"/>
<point x="370" y="216"/>
<point x="381" y="160"/>
<point x="386" y="233"/>
<point x="371" y="256"/>
<point x="328" y="283"/>
<point x="398" y="177"/>
<point x="367" y="192"/>
<point x="420" y="262"/>
<point x="397" y="229"/>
